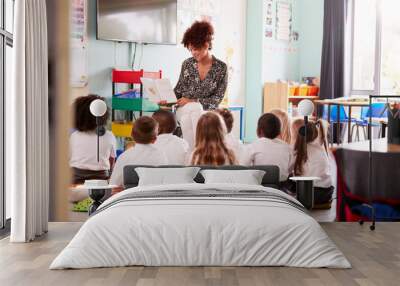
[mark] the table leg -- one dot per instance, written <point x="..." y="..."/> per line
<point x="98" y="196"/>
<point x="349" y="127"/>
<point x="383" y="129"/>
<point x="329" y="123"/>
<point x="305" y="193"/>
<point x="338" y="125"/>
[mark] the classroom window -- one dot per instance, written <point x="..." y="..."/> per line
<point x="390" y="60"/>
<point x="375" y="47"/>
<point x="6" y="46"/>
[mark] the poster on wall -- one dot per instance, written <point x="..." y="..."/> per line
<point x="78" y="42"/>
<point x="268" y="30"/>
<point x="283" y="21"/>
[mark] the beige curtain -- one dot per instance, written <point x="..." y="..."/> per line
<point x="27" y="133"/>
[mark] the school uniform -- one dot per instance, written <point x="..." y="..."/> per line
<point x="188" y="116"/>
<point x="140" y="154"/>
<point x="236" y="146"/>
<point x="175" y="148"/>
<point x="318" y="165"/>
<point x="264" y="151"/>
<point x="83" y="155"/>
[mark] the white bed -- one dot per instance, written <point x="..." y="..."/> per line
<point x="234" y="229"/>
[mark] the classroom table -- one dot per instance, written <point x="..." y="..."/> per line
<point x="352" y="161"/>
<point x="346" y="103"/>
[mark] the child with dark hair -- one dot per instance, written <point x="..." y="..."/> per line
<point x="315" y="161"/>
<point x="231" y="141"/>
<point x="83" y="142"/>
<point x="203" y="78"/>
<point x="144" y="133"/>
<point x="175" y="148"/>
<point x="268" y="149"/>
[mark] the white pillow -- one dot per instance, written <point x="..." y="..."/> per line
<point x="166" y="176"/>
<point x="248" y="177"/>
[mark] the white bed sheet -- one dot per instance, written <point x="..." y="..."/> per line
<point x="200" y="232"/>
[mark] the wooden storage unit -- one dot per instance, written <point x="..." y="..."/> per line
<point x="277" y="95"/>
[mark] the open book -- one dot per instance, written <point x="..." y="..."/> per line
<point x="157" y="90"/>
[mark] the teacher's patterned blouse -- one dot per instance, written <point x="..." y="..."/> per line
<point x="209" y="91"/>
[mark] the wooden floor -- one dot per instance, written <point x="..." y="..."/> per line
<point x="375" y="257"/>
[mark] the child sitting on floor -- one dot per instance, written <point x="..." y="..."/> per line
<point x="268" y="149"/>
<point x="315" y="161"/>
<point x="175" y="148"/>
<point x="83" y="142"/>
<point x="294" y="129"/>
<point x="144" y="132"/>
<point x="231" y="141"/>
<point x="285" y="134"/>
<point x="210" y="147"/>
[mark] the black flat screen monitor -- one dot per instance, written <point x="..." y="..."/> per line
<point x="140" y="21"/>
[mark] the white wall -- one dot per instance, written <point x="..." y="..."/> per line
<point x="281" y="58"/>
<point x="229" y="46"/>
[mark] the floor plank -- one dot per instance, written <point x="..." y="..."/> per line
<point x="375" y="257"/>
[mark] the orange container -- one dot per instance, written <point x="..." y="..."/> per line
<point x="313" y="90"/>
<point x="303" y="90"/>
<point x="292" y="91"/>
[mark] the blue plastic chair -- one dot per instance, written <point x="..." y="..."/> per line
<point x="333" y="116"/>
<point x="344" y="118"/>
<point x="377" y="110"/>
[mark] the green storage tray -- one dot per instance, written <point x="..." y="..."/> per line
<point x="134" y="104"/>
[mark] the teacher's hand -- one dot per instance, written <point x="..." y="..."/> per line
<point x="183" y="100"/>
<point x="162" y="102"/>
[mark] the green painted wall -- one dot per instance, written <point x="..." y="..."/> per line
<point x="311" y="18"/>
<point x="254" y="55"/>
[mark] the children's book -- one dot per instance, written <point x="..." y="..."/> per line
<point x="157" y="90"/>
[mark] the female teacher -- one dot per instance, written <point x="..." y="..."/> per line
<point x="203" y="77"/>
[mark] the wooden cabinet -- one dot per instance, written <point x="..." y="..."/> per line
<point x="277" y="95"/>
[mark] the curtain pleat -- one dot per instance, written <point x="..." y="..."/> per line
<point x="333" y="49"/>
<point x="30" y="218"/>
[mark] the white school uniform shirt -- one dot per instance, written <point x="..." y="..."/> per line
<point x="236" y="146"/>
<point x="264" y="151"/>
<point x="318" y="165"/>
<point x="175" y="148"/>
<point x="140" y="154"/>
<point x="83" y="150"/>
<point x="188" y="116"/>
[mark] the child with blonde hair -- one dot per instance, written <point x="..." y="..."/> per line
<point x="285" y="134"/>
<point x="210" y="147"/>
<point x="294" y="129"/>
<point x="231" y="141"/>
